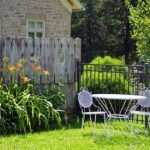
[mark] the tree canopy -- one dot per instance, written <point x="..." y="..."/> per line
<point x="140" y="21"/>
<point x="103" y="28"/>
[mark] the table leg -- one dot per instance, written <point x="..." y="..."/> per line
<point x="146" y="121"/>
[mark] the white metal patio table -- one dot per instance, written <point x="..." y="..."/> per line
<point x="106" y="101"/>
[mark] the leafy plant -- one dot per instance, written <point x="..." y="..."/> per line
<point x="55" y="94"/>
<point x="140" y="20"/>
<point x="21" y="110"/>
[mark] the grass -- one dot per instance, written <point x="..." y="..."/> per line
<point x="116" y="136"/>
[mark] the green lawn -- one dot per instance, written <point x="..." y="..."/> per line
<point x="113" y="137"/>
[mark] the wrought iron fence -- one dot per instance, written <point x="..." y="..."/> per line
<point x="118" y="79"/>
<point x="129" y="78"/>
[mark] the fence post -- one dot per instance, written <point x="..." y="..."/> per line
<point x="1" y="45"/>
<point x="78" y="76"/>
<point x="146" y="82"/>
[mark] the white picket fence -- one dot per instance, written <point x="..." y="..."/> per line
<point x="56" y="55"/>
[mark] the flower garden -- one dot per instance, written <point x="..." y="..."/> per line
<point x="23" y="106"/>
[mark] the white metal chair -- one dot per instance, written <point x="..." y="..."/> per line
<point x="85" y="101"/>
<point x="143" y="105"/>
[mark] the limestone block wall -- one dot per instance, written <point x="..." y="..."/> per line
<point x="15" y="13"/>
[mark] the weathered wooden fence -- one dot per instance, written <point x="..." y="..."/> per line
<point x="56" y="55"/>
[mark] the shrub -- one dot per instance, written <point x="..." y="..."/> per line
<point x="55" y="94"/>
<point x="107" y="60"/>
<point x="139" y="20"/>
<point x="22" y="110"/>
<point x="105" y="78"/>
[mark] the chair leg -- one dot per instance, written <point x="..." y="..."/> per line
<point x="95" y="118"/>
<point x="107" y="120"/>
<point x="149" y="123"/>
<point x="104" y="119"/>
<point x="90" y="118"/>
<point x="94" y="123"/>
<point x="83" y="117"/>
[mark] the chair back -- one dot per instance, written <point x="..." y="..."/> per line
<point x="146" y="102"/>
<point x="85" y="99"/>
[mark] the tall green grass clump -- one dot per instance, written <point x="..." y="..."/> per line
<point x="22" y="110"/>
<point x="107" y="75"/>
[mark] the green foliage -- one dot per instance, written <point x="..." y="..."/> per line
<point x="23" y="110"/>
<point x="140" y="21"/>
<point x="23" y="107"/>
<point x="107" y="60"/>
<point x="102" y="28"/>
<point x="105" y="78"/>
<point x="55" y="94"/>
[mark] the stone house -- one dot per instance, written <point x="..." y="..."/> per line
<point x="37" y="18"/>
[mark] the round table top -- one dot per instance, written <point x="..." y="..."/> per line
<point x="119" y="96"/>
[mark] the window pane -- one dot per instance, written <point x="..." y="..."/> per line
<point x="39" y="34"/>
<point x="31" y="34"/>
<point x="31" y="24"/>
<point x="39" y="24"/>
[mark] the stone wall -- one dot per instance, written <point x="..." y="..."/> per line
<point x="14" y="13"/>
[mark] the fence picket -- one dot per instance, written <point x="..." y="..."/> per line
<point x="57" y="66"/>
<point x="1" y="51"/>
<point x="71" y="60"/>
<point x="27" y="54"/>
<point x="63" y="59"/>
<point x="78" y="49"/>
<point x="7" y="53"/>
<point x="44" y="57"/>
<point x="51" y="59"/>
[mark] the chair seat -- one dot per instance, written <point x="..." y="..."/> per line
<point x="140" y="113"/>
<point x="94" y="113"/>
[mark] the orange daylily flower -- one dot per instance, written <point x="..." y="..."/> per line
<point x="36" y="68"/>
<point x="26" y="80"/>
<point x="11" y="68"/>
<point x="19" y="65"/>
<point x="46" y="72"/>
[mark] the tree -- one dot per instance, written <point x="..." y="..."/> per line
<point x="103" y="28"/>
<point x="140" y="22"/>
<point x="86" y="25"/>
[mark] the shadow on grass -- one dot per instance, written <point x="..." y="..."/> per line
<point x="119" y="134"/>
<point x="110" y="139"/>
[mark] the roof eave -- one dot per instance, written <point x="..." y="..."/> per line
<point x="78" y="7"/>
<point x="78" y="10"/>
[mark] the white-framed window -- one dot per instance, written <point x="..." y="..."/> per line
<point x="35" y="28"/>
